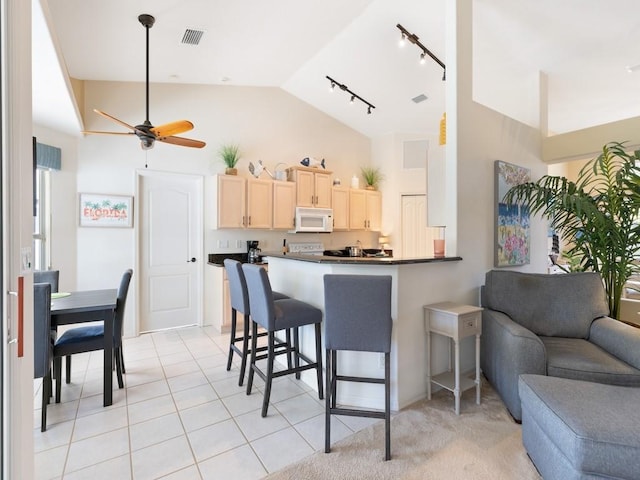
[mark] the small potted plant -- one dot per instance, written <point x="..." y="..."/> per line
<point x="230" y="155"/>
<point x="372" y="177"/>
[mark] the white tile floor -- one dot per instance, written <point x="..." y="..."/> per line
<point x="181" y="415"/>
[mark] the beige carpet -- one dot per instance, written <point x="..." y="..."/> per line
<point x="428" y="441"/>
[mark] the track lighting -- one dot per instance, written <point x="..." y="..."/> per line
<point x="354" y="95"/>
<point x="403" y="39"/>
<point x="413" y="38"/>
<point x="332" y="87"/>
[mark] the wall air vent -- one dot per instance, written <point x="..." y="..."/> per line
<point x="192" y="36"/>
<point x="420" y="98"/>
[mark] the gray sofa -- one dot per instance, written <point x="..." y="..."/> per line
<point x="554" y="325"/>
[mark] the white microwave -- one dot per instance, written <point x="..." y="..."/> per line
<point x="313" y="220"/>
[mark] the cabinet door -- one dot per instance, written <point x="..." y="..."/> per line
<point x="259" y="203"/>
<point x="340" y="205"/>
<point x="305" y="189"/>
<point x="231" y="201"/>
<point x="374" y="211"/>
<point x="357" y="209"/>
<point x="322" y="186"/>
<point x="284" y="204"/>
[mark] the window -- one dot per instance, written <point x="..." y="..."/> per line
<point x="41" y="223"/>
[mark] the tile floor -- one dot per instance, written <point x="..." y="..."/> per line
<point x="181" y="415"/>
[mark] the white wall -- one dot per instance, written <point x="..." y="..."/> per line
<point x="268" y="124"/>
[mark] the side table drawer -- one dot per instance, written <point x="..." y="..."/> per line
<point x="469" y="324"/>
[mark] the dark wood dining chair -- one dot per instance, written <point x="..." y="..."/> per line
<point x="42" y="343"/>
<point x="52" y="277"/>
<point x="90" y="338"/>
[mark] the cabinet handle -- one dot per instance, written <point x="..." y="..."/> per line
<point x="249" y="222"/>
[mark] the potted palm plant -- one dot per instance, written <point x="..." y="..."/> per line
<point x="230" y="155"/>
<point x="597" y="214"/>
<point x="372" y="177"/>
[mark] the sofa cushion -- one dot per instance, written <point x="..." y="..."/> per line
<point x="580" y="359"/>
<point x="593" y="426"/>
<point x="548" y="305"/>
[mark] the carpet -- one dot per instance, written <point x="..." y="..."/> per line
<point x="428" y="441"/>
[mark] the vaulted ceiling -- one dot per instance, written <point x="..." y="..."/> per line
<point x="583" y="46"/>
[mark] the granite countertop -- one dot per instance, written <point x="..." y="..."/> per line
<point x="360" y="260"/>
<point x="217" y="259"/>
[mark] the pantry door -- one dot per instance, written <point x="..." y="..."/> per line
<point x="170" y="243"/>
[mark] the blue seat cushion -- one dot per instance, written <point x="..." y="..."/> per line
<point x="81" y="335"/>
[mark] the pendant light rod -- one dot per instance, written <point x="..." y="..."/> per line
<point x="335" y="83"/>
<point x="413" y="38"/>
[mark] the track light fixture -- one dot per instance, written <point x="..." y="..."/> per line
<point x="335" y="83"/>
<point x="413" y="38"/>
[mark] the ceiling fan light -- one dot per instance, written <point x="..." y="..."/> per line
<point x="146" y="144"/>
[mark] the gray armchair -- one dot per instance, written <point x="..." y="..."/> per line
<point x="554" y="325"/>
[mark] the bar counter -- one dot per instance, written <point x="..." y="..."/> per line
<point x="415" y="282"/>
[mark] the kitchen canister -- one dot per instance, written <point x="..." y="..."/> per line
<point x="355" y="182"/>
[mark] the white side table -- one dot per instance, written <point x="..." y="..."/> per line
<point x="455" y="321"/>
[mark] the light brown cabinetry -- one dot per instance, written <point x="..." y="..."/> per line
<point x="365" y="210"/>
<point x="244" y="203"/>
<point x="231" y="201"/>
<point x="259" y="212"/>
<point x="313" y="186"/>
<point x="284" y="205"/>
<point x="340" y="205"/>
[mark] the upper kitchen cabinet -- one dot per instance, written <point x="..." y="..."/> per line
<point x="284" y="205"/>
<point x="259" y="203"/>
<point x="365" y="210"/>
<point x="313" y="186"/>
<point x="231" y="196"/>
<point x="243" y="203"/>
<point x="340" y="205"/>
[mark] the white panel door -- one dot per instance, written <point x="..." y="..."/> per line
<point x="171" y="257"/>
<point x="414" y="226"/>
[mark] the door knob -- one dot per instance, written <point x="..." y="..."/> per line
<point x="193" y="260"/>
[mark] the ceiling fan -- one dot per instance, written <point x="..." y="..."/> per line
<point x="146" y="132"/>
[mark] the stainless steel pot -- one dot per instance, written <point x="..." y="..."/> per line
<point x="354" y="251"/>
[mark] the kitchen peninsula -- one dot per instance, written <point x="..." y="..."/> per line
<point x="415" y="282"/>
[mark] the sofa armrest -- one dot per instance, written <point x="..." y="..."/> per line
<point x="508" y="350"/>
<point x="617" y="338"/>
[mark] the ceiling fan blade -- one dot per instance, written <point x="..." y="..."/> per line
<point x="106" y="115"/>
<point x="173" y="128"/>
<point x="106" y="133"/>
<point x="183" y="142"/>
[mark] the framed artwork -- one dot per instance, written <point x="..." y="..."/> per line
<point x="512" y="221"/>
<point x="105" y="210"/>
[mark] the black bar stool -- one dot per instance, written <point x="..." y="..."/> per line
<point x="273" y="316"/>
<point x="357" y="312"/>
<point x="240" y="303"/>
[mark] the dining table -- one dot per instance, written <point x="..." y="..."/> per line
<point x="90" y="306"/>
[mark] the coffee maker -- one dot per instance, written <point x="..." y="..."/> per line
<point x="253" y="251"/>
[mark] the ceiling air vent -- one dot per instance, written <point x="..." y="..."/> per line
<point x="420" y="98"/>
<point x="192" y="36"/>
